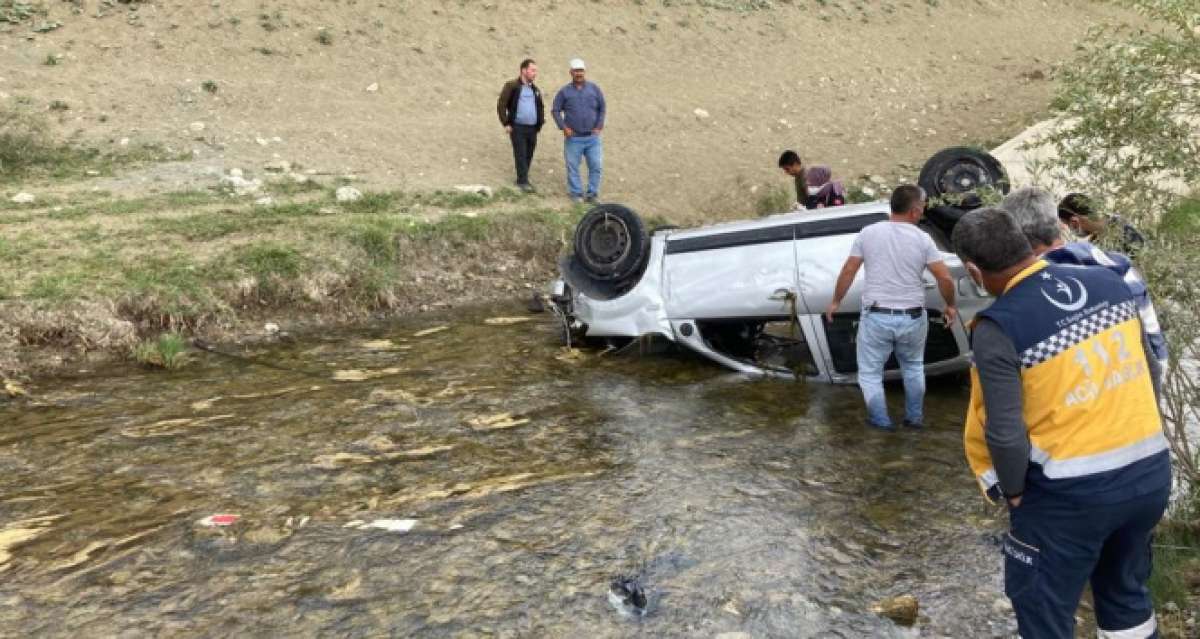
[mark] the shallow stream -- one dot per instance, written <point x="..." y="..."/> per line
<point x="760" y="507"/>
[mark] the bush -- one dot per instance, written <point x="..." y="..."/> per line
<point x="1129" y="107"/>
<point x="25" y="144"/>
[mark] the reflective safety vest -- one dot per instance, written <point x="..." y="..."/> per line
<point x="1088" y="403"/>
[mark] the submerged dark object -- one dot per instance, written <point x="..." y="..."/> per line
<point x="627" y="592"/>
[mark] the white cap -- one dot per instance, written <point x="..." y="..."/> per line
<point x="577" y="63"/>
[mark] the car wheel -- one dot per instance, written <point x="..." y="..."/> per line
<point x="961" y="169"/>
<point x="611" y="242"/>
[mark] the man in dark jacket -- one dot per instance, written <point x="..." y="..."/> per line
<point x="522" y="115"/>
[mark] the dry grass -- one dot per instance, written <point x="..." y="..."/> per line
<point x="106" y="274"/>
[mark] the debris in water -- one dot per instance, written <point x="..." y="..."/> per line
<point x="390" y="525"/>
<point x="378" y="345"/>
<point x="204" y="404"/>
<point x="219" y="520"/>
<point x="21" y="532"/>
<point x="419" y="453"/>
<point x="431" y="331"/>
<point x="570" y="355"/>
<point x="355" y="375"/>
<point x="14" y="389"/>
<point x="396" y="396"/>
<point x="499" y="421"/>
<point x="338" y="460"/>
<point x="350" y="590"/>
<point x="627" y="595"/>
<point x="506" y="321"/>
<point x="902" y="609"/>
<point x="170" y="427"/>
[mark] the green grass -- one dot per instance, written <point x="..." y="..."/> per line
<point x="774" y="199"/>
<point x="267" y="260"/>
<point x="199" y="226"/>
<point x="168" y="351"/>
<point x="374" y="203"/>
<point x="1182" y="221"/>
<point x="1177" y="553"/>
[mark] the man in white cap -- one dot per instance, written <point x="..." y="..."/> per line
<point x="578" y="112"/>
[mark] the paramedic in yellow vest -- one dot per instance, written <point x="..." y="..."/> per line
<point x="1064" y="427"/>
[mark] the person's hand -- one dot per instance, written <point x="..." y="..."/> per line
<point x="831" y="309"/>
<point x="1015" y="501"/>
<point x="568" y="132"/>
<point x="508" y="128"/>
<point x="951" y="314"/>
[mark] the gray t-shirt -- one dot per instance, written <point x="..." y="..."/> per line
<point x="894" y="255"/>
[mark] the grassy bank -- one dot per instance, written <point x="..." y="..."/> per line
<point x="95" y="272"/>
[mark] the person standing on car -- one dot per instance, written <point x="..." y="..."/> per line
<point x="896" y="254"/>
<point x="1035" y="213"/>
<point x="522" y="114"/>
<point x="1063" y="425"/>
<point x="579" y="111"/>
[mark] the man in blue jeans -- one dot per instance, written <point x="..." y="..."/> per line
<point x="896" y="254"/>
<point x="578" y="111"/>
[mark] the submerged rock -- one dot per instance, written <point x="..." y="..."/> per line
<point x="627" y="595"/>
<point x="902" y="609"/>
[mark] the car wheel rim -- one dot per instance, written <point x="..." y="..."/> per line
<point x="963" y="177"/>
<point x="609" y="241"/>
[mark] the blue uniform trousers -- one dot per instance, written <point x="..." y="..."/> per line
<point x="1056" y="546"/>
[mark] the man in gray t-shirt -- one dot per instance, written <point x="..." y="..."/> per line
<point x="896" y="253"/>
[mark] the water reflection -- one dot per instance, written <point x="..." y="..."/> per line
<point x="762" y="507"/>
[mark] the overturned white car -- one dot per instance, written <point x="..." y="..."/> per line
<point x="751" y="295"/>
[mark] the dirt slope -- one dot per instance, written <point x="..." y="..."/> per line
<point x="868" y="90"/>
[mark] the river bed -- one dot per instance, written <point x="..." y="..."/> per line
<point x="512" y="482"/>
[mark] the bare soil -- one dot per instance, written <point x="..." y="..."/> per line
<point x="870" y="90"/>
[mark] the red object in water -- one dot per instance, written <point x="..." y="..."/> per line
<point x="220" y="520"/>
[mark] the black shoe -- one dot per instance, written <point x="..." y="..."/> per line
<point x="591" y="199"/>
<point x="887" y="428"/>
<point x="527" y="188"/>
<point x="908" y="424"/>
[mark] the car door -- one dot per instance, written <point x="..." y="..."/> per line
<point x="743" y="271"/>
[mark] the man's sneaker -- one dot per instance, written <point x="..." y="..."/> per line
<point x="591" y="199"/>
<point x="575" y="199"/>
<point x="890" y="428"/>
<point x="908" y="424"/>
<point x="527" y="188"/>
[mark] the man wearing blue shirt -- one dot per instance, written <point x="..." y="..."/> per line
<point x="578" y="112"/>
<point x="522" y="114"/>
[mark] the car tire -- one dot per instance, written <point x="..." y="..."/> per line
<point x="961" y="169"/>
<point x="611" y="242"/>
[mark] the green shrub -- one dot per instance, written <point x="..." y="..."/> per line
<point x="168" y="351"/>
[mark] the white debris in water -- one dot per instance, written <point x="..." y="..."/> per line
<point x="431" y="331"/>
<point x="506" y="321"/>
<point x="390" y="525"/>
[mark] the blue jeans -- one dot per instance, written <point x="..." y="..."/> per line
<point x="576" y="148"/>
<point x="879" y="335"/>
